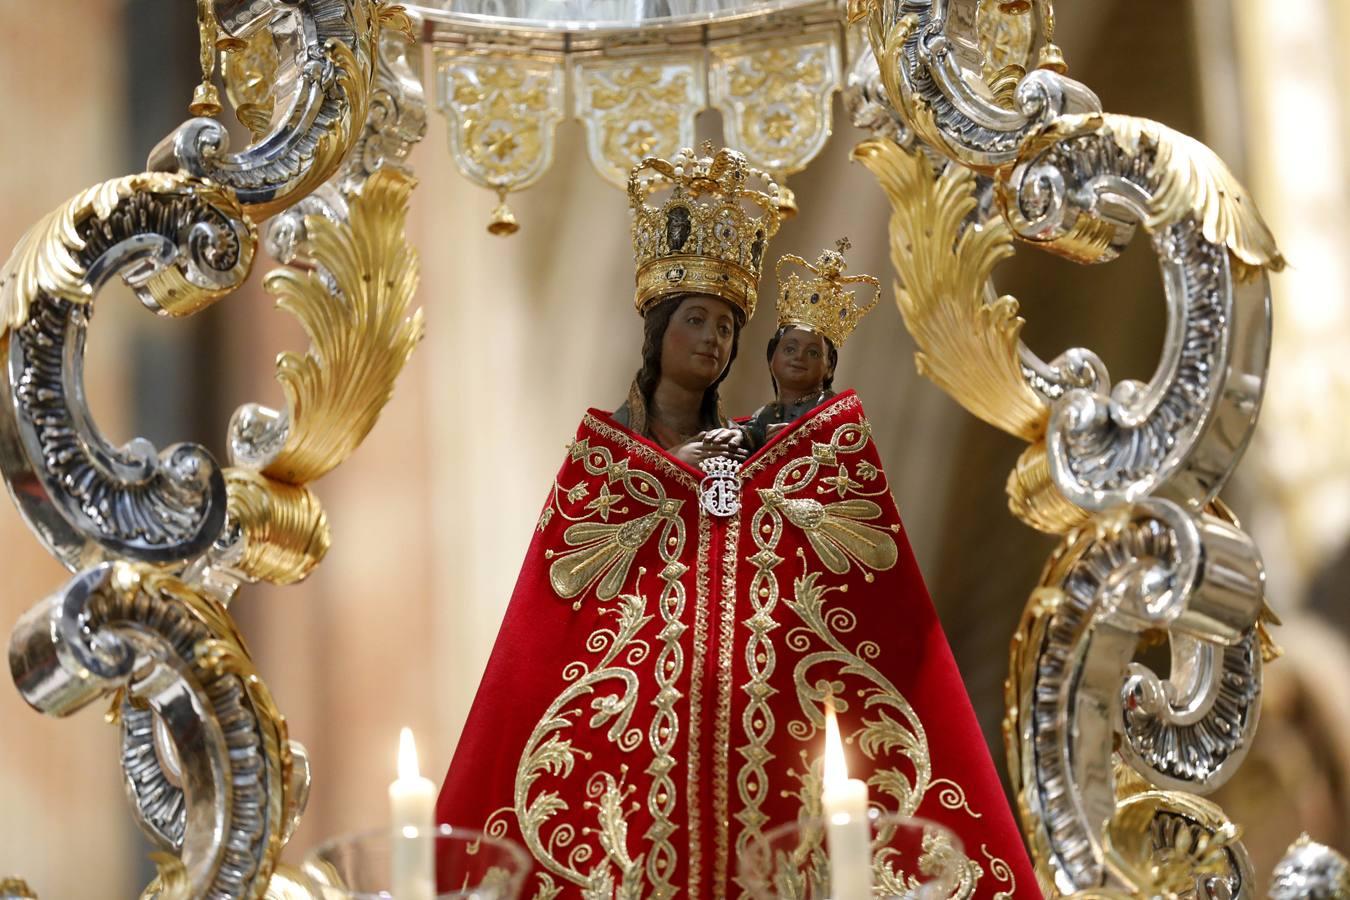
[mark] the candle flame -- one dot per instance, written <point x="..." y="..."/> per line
<point x="407" y="756"/>
<point x="836" y="769"/>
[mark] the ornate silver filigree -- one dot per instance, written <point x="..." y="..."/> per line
<point x="866" y="102"/>
<point x="937" y="65"/>
<point x="84" y="498"/>
<point x="175" y="656"/>
<point x="1195" y="577"/>
<point x="326" y="65"/>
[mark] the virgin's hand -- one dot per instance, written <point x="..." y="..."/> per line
<point x="729" y="442"/>
<point x="704" y="446"/>
<point x="775" y="428"/>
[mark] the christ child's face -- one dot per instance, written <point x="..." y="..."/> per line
<point x="800" y="362"/>
<point x="697" y="344"/>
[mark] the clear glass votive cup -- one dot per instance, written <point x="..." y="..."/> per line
<point x="912" y="859"/>
<point x="470" y="865"/>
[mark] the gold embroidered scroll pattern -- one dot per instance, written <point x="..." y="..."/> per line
<point x="836" y="540"/>
<point x="601" y="552"/>
<point x="828" y="666"/>
<point x="837" y="531"/>
<point x="940" y="860"/>
<point x="605" y="552"/>
<point x="613" y="689"/>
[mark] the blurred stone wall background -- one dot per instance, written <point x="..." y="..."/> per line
<point x="432" y="516"/>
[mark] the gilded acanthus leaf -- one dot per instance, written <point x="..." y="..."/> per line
<point x="361" y="339"/>
<point x="1187" y="178"/>
<point x="968" y="347"/>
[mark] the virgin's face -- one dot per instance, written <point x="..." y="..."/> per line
<point x="697" y="343"/>
<point x="800" y="361"/>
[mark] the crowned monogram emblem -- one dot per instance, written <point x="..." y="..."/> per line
<point x="720" y="491"/>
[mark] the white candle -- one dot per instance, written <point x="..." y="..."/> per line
<point x="412" y="803"/>
<point x="848" y="831"/>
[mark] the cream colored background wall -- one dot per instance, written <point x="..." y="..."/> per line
<point x="432" y="516"/>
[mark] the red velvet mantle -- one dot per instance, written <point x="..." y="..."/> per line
<point x="654" y="697"/>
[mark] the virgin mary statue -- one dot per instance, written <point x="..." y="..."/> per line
<point x="654" y="701"/>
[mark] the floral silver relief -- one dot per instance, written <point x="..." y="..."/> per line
<point x="325" y="51"/>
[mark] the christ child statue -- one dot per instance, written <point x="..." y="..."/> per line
<point x="816" y="314"/>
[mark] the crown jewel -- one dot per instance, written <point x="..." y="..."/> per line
<point x="709" y="234"/>
<point x="822" y="302"/>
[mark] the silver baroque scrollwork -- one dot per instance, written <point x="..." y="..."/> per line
<point x="934" y="58"/>
<point x="1197" y="579"/>
<point x="180" y="245"/>
<point x="201" y="713"/>
<point x="325" y="53"/>
<point x="1082" y="192"/>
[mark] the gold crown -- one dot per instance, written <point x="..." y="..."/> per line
<point x="821" y="303"/>
<point x="702" y="239"/>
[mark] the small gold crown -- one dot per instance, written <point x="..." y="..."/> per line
<point x="821" y="303"/>
<point x="702" y="238"/>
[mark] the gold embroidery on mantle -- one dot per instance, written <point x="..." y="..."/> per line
<point x="598" y="858"/>
<point x="726" y="602"/>
<point x="1002" y="872"/>
<point x="839" y="534"/>
<point x="549" y="752"/>
<point x="602" y="552"/>
<point x="644" y="451"/>
<point x="794" y="436"/>
<point x="837" y="531"/>
<point x="695" y="797"/>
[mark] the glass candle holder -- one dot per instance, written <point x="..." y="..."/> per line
<point x="469" y="864"/>
<point x="912" y="859"/>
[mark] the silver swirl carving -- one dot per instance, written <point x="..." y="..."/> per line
<point x="1191" y="731"/>
<point x="867" y="104"/>
<point x="397" y="114"/>
<point x="1157" y="567"/>
<point x="85" y="498"/>
<point x="324" y="46"/>
<point x="1181" y="434"/>
<point x="937" y="62"/>
<point x="111" y="628"/>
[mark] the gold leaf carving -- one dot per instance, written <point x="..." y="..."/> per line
<point x="967" y="346"/>
<point x="361" y="339"/>
<point x="284" y="528"/>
